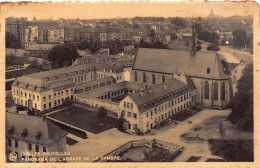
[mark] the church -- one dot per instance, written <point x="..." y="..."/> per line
<point x="213" y="84"/>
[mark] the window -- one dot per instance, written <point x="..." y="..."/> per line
<point x="61" y="92"/>
<point x="55" y="103"/>
<point x="67" y="91"/>
<point x="131" y="105"/>
<point x="36" y="148"/>
<point x="29" y="146"/>
<point x="44" y="98"/>
<point x="35" y="105"/>
<point x="9" y="142"/>
<point x="208" y="70"/>
<point x="215" y="91"/>
<point x="124" y="104"/>
<point x="49" y="97"/>
<point x="25" y="95"/>
<point x="50" y="105"/>
<point x="206" y="90"/>
<point x="55" y="94"/>
<point x="29" y="95"/>
<point x="127" y="105"/>
<point x="21" y="94"/>
<point x="144" y="78"/>
<point x="37" y="98"/>
<point x="223" y="91"/>
<point x="134" y="115"/>
<point x="58" y="93"/>
<point x="147" y="114"/>
<point x="129" y="114"/>
<point x="135" y="76"/>
<point x="44" y="106"/>
<point x="44" y="149"/>
<point x="123" y="113"/>
<point x="163" y="79"/>
<point x="165" y="106"/>
<point x="153" y="79"/>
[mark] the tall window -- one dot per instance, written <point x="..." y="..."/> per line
<point x="215" y="91"/>
<point x="223" y="91"/>
<point x="154" y="79"/>
<point x="163" y="79"/>
<point x="135" y="76"/>
<point x="206" y="90"/>
<point x="144" y="78"/>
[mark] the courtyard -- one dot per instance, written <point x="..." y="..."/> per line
<point x="84" y="119"/>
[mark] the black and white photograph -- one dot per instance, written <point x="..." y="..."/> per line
<point x="128" y="82"/>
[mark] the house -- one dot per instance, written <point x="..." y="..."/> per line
<point x="27" y="134"/>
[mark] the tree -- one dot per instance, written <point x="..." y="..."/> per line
<point x="122" y="124"/>
<point x="158" y="155"/>
<point x="221" y="130"/>
<point x="152" y="36"/>
<point x="242" y="103"/>
<point x="239" y="38"/>
<point x="63" y="55"/>
<point x="102" y="112"/>
<point x="11" y="41"/>
<point x="213" y="48"/>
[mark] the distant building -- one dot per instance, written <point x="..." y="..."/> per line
<point x="56" y="35"/>
<point x="25" y="133"/>
<point x="31" y="35"/>
<point x="16" y="26"/>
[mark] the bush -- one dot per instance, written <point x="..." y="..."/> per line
<point x="158" y="155"/>
<point x="102" y="112"/>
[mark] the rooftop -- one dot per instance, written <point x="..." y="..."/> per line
<point x="202" y="64"/>
<point x="48" y="133"/>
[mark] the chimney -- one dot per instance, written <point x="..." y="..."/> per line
<point x="165" y="86"/>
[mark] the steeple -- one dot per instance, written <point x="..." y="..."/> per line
<point x="211" y="14"/>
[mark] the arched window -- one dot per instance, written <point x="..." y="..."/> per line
<point x="135" y="76"/>
<point x="163" y="79"/>
<point x="144" y="78"/>
<point x="154" y="79"/>
<point x="206" y="90"/>
<point x="223" y="91"/>
<point x="215" y="91"/>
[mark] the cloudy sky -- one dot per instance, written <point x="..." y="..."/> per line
<point x="125" y="10"/>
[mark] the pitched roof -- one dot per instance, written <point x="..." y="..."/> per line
<point x="178" y="61"/>
<point x="161" y="93"/>
<point x="50" y="133"/>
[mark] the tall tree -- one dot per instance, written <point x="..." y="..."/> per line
<point x="242" y="103"/>
<point x="11" y="41"/>
<point x="63" y="55"/>
<point x="239" y="38"/>
<point x="152" y="36"/>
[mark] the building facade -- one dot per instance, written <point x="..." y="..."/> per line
<point x="214" y="88"/>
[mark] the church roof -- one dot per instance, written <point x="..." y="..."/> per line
<point x="32" y="125"/>
<point x="202" y="64"/>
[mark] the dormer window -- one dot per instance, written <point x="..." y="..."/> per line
<point x="24" y="133"/>
<point x="208" y="70"/>
<point x="34" y="87"/>
<point x="11" y="130"/>
<point x="38" y="135"/>
<point x="26" y="86"/>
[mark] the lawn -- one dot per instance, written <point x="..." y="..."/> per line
<point x="84" y="119"/>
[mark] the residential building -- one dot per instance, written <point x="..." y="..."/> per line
<point x="31" y="35"/>
<point x="56" y="35"/>
<point x="16" y="26"/>
<point x="27" y="135"/>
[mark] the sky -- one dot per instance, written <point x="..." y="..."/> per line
<point x="96" y="10"/>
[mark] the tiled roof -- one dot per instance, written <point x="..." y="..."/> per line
<point x="50" y="133"/>
<point x="95" y="82"/>
<point x="157" y="94"/>
<point x="202" y="64"/>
